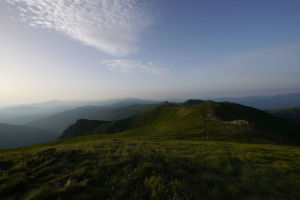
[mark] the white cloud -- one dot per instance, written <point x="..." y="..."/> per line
<point x="112" y="26"/>
<point x="127" y="66"/>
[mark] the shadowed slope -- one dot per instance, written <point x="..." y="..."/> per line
<point x="225" y="121"/>
<point x="15" y="135"/>
<point x="292" y="114"/>
<point x="60" y="121"/>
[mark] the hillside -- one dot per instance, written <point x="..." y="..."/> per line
<point x="15" y="136"/>
<point x="292" y="114"/>
<point x="195" y="150"/>
<point x="196" y="119"/>
<point x="60" y="121"/>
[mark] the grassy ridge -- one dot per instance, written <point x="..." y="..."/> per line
<point x="222" y="121"/>
<point x="174" y="151"/>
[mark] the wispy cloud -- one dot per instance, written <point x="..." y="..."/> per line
<point x="112" y="26"/>
<point x="127" y="66"/>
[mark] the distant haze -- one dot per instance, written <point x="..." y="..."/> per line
<point x="102" y="49"/>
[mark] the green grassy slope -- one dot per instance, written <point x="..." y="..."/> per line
<point x="175" y="151"/>
<point x="225" y="121"/>
<point x="108" y="167"/>
<point x="292" y="114"/>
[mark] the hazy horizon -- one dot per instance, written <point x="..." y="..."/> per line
<point x="179" y="99"/>
<point x="102" y="49"/>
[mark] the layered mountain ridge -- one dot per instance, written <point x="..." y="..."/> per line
<point x="195" y="118"/>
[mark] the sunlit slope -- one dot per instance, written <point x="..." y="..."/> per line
<point x="206" y="120"/>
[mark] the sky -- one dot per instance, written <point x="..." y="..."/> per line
<point x="151" y="49"/>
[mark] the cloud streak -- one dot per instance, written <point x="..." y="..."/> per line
<point x="128" y="66"/>
<point x="112" y="26"/>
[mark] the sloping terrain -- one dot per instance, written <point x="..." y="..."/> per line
<point x="292" y="114"/>
<point x="60" y="121"/>
<point x="15" y="136"/>
<point x="174" y="151"/>
<point x="225" y="120"/>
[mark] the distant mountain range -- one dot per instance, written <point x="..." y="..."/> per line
<point x="50" y="119"/>
<point x="61" y="121"/>
<point x="23" y="114"/>
<point x="15" y="136"/>
<point x="47" y="128"/>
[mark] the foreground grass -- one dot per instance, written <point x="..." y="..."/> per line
<point x="111" y="167"/>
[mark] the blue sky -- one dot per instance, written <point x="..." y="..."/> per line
<point x="99" y="49"/>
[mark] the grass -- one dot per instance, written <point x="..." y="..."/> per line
<point x="217" y="121"/>
<point x="174" y="152"/>
<point x="102" y="167"/>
